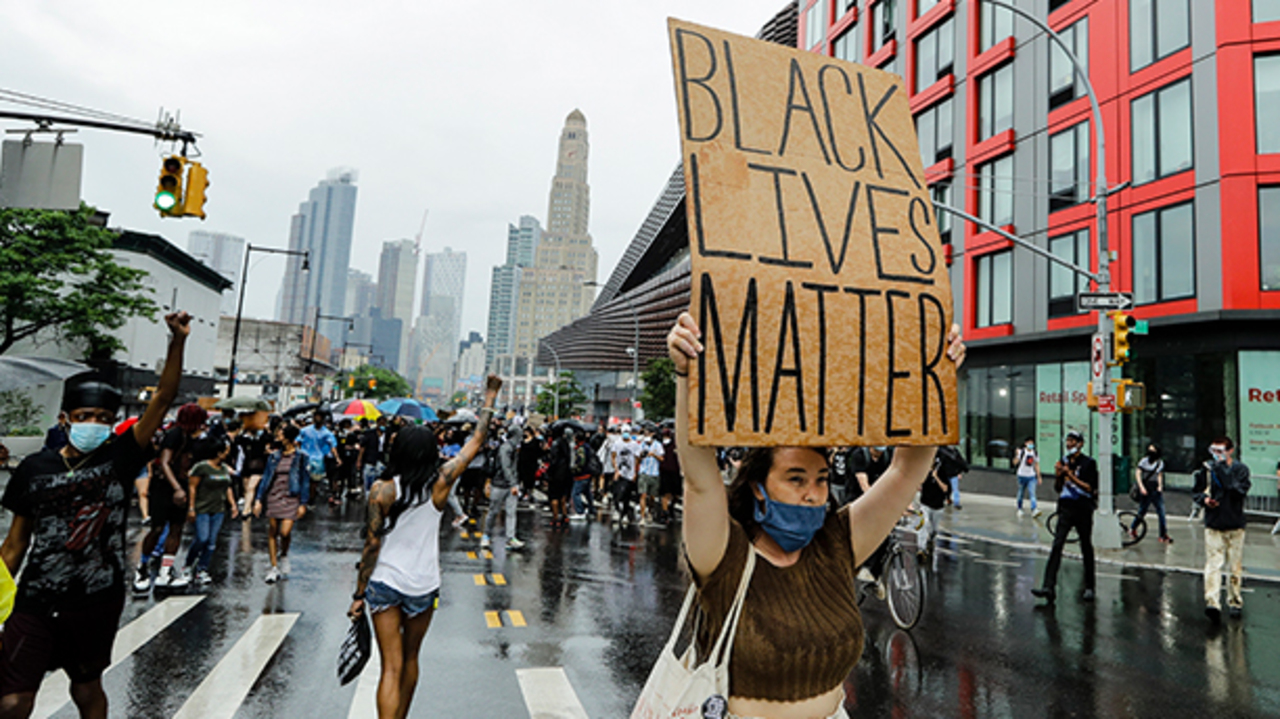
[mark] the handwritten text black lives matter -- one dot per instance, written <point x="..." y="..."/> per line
<point x="818" y="278"/>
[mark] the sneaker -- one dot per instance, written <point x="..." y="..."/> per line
<point x="173" y="578"/>
<point x="202" y="577"/>
<point x="1035" y="513"/>
<point x="1235" y="612"/>
<point x="865" y="575"/>
<point x="484" y="541"/>
<point x="1045" y="593"/>
<point x="515" y="544"/>
<point x="577" y="517"/>
<point x="285" y="569"/>
<point x="141" y="580"/>
<point x="273" y="575"/>
<point x="1020" y="514"/>
<point x="1087" y="595"/>
<point x="1214" y="614"/>
<point x="458" y="522"/>
<point x="880" y="592"/>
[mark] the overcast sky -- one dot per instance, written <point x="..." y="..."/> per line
<point x="453" y="107"/>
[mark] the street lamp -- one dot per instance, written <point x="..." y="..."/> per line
<point x="244" y="280"/>
<point x="556" y="355"/>
<point x="315" y="330"/>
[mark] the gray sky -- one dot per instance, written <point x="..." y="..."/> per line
<point x="455" y="107"/>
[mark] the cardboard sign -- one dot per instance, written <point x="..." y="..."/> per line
<point x="818" y="277"/>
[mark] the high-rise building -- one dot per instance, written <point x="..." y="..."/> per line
<point x="445" y="275"/>
<point x="225" y="254"/>
<point x="397" y="276"/>
<point x="556" y="289"/>
<point x="436" y="333"/>
<point x="469" y="372"/>
<point x="522" y="241"/>
<point x="361" y="294"/>
<point x="504" y="288"/>
<point x="322" y="228"/>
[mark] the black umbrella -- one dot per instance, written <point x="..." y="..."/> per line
<point x="577" y="425"/>
<point x="302" y="408"/>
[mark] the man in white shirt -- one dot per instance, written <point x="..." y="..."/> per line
<point x="650" y="487"/>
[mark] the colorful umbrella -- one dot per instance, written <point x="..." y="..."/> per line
<point x="411" y="408"/>
<point x="357" y="409"/>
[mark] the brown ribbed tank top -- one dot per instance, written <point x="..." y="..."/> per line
<point x="801" y="633"/>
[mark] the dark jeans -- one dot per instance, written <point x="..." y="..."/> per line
<point x="1073" y="514"/>
<point x="624" y="494"/>
<point x="581" y="495"/>
<point x="1148" y="500"/>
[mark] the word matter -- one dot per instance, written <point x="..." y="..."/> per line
<point x="818" y="276"/>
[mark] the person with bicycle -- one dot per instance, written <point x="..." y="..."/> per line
<point x="1077" y="485"/>
<point x="1149" y="477"/>
<point x="800" y="631"/>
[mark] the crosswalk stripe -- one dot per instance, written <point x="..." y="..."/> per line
<point x="492" y="619"/>
<point x="220" y="694"/>
<point x="471" y="555"/>
<point x="549" y="695"/>
<point x="479" y="578"/>
<point x="54" y="692"/>
<point x="499" y="580"/>
<point x="516" y="617"/>
<point x="365" y="703"/>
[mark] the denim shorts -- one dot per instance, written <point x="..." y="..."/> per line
<point x="379" y="596"/>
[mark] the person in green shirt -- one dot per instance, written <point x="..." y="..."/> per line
<point x="209" y="499"/>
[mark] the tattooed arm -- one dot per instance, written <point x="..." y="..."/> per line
<point x="381" y="496"/>
<point x="451" y="470"/>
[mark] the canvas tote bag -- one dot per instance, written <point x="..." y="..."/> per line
<point x="680" y="686"/>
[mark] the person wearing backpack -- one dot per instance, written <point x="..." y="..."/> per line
<point x="1149" y="484"/>
<point x="504" y="491"/>
<point x="583" y="473"/>
<point x="1028" y="472"/>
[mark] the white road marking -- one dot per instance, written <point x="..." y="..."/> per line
<point x="55" y="691"/>
<point x="1125" y="577"/>
<point x="365" y="703"/>
<point x="997" y="563"/>
<point x="548" y="694"/>
<point x="220" y="694"/>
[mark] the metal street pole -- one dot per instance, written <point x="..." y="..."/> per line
<point x="556" y="385"/>
<point x="635" y="359"/>
<point x="244" y="280"/>
<point x="1108" y="530"/>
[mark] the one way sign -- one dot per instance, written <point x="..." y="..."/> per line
<point x="1087" y="301"/>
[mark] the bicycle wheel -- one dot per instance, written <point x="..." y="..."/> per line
<point x="1051" y="524"/>
<point x="905" y="588"/>
<point x="1131" y="519"/>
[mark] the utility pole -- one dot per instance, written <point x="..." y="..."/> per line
<point x="244" y="280"/>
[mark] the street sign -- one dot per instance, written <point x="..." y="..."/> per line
<point x="308" y="380"/>
<point x="1106" y="404"/>
<point x="1098" y="359"/>
<point x="1087" y="301"/>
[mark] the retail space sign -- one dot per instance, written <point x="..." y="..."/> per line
<point x="1260" y="411"/>
<point x="818" y="278"/>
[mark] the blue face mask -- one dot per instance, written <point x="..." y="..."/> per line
<point x="792" y="526"/>
<point x="88" y="436"/>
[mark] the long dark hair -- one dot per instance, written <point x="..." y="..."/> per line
<point x="754" y="470"/>
<point x="415" y="456"/>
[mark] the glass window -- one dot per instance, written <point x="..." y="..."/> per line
<point x="846" y="46"/>
<point x="1064" y="85"/>
<point x="995" y="191"/>
<point x="849" y="4"/>
<point x="1164" y="254"/>
<point x="1055" y="4"/>
<point x="935" y="55"/>
<point x="1266" y="90"/>
<point x="933" y="126"/>
<point x="941" y="192"/>
<point x="996" y="23"/>
<point x="816" y="24"/>
<point x="995" y="101"/>
<point x="1157" y="29"/>
<point x="1268" y="236"/>
<point x="995" y="289"/>
<point x="1161" y="132"/>
<point x="891" y="65"/>
<point x="1266" y="10"/>
<point x="884" y="16"/>
<point x="924" y="6"/>
<point x="1064" y="283"/>
<point x="1069" y="167"/>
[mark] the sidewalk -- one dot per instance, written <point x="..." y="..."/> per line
<point x="994" y="519"/>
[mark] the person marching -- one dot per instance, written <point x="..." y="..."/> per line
<point x="504" y="492"/>
<point x="284" y="491"/>
<point x="1149" y="477"/>
<point x="650" y="480"/>
<point x="70" y="511"/>
<point x="800" y="633"/>
<point x="1028" y="472"/>
<point x="1224" y="528"/>
<point x="210" y="497"/>
<point x="1077" y="485"/>
<point x="399" y="571"/>
<point x="167" y="500"/>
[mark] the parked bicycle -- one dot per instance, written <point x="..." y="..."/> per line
<point x="901" y="577"/>
<point x="1132" y="527"/>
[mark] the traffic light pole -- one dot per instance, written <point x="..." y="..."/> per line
<point x="249" y="249"/>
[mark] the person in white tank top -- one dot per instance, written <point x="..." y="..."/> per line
<point x="399" y="572"/>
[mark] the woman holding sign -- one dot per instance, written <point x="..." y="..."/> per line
<point x="799" y="633"/>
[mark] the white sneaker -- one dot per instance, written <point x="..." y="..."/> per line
<point x="1035" y="513"/>
<point x="202" y="577"/>
<point x="141" y="580"/>
<point x="1020" y="514"/>
<point x="577" y="517"/>
<point x="172" y="578"/>
<point x="273" y="575"/>
<point x="285" y="569"/>
<point x="865" y="575"/>
<point x="880" y="592"/>
<point x="484" y="541"/>
<point x="515" y="543"/>
<point x="458" y="522"/>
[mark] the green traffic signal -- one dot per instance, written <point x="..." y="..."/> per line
<point x="165" y="201"/>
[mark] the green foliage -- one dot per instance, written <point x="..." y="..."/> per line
<point x="57" y="274"/>
<point x="389" y="384"/>
<point x="458" y="401"/>
<point x="659" y="394"/>
<point x="18" y="414"/>
<point x="573" y="399"/>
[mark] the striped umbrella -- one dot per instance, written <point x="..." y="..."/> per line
<point x="358" y="409"/>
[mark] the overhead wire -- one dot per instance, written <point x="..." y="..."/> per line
<point x="22" y="98"/>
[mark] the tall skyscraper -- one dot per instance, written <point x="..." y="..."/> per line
<point x="397" y="276"/>
<point x="322" y="227"/>
<point x="554" y="292"/>
<point x="361" y="294"/>
<point x="436" y="333"/>
<point x="522" y="241"/>
<point x="225" y="254"/>
<point x="504" y="288"/>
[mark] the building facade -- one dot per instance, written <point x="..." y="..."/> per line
<point x="1189" y="91"/>
<point x="225" y="254"/>
<point x="397" y="280"/>
<point x="504" y="288"/>
<point x="362" y="292"/>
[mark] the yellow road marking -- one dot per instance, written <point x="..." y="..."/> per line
<point x="465" y="535"/>
<point x="516" y="617"/>
<point x="471" y="555"/>
<point x="491" y="618"/>
<point x="479" y="580"/>
<point x="488" y="554"/>
<point x="499" y="580"/>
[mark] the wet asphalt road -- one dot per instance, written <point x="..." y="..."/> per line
<point x="600" y="604"/>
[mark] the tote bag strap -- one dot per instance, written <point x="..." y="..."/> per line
<point x="724" y="643"/>
<point x="680" y="619"/>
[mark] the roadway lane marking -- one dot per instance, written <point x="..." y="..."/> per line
<point x="465" y="535"/>
<point x="998" y="563"/>
<point x="516" y="617"/>
<point x="499" y="580"/>
<point x="471" y="555"/>
<point x="548" y="694"/>
<point x="1125" y="577"/>
<point x="948" y="552"/>
<point x="55" y="691"/>
<point x="493" y="620"/>
<point x="479" y="578"/>
<point x="222" y="692"/>
<point x="488" y="554"/>
<point x="364" y="705"/>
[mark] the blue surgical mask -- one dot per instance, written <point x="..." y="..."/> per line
<point x="792" y="526"/>
<point x="88" y="436"/>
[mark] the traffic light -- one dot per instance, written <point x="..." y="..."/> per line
<point x="169" y="190"/>
<point x="1130" y="395"/>
<point x="197" y="184"/>
<point x="351" y="382"/>
<point x="1124" y="324"/>
<point x="373" y="383"/>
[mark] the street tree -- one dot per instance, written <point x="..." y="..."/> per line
<point x="60" y="282"/>
<point x="386" y="383"/>
<point x="573" y="399"/>
<point x="659" y="394"/>
<point x="458" y="400"/>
